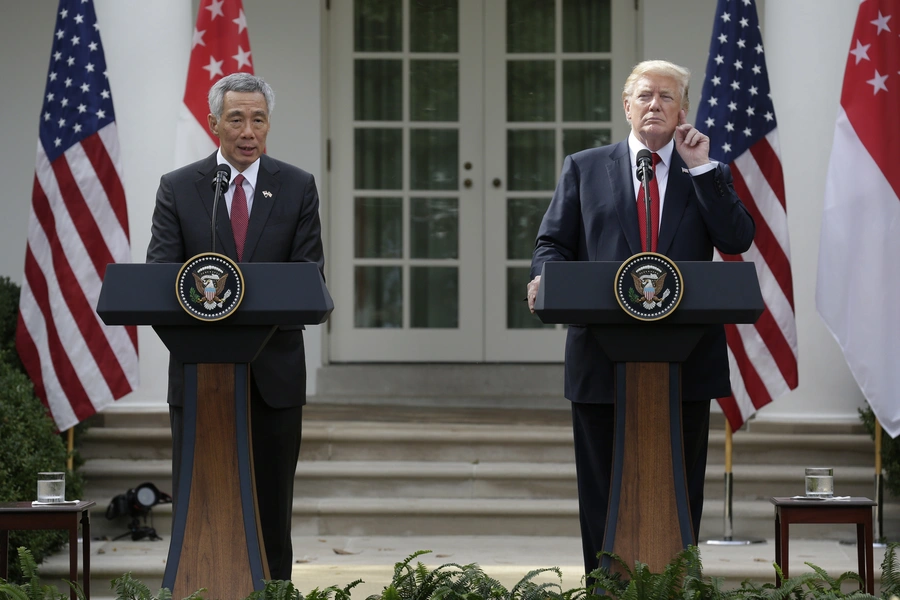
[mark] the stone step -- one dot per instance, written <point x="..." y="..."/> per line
<point x="358" y="440"/>
<point x="374" y="479"/>
<point x="394" y="516"/>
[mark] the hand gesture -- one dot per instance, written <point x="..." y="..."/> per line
<point x="692" y="146"/>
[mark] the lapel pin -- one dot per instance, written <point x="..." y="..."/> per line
<point x="267" y="193"/>
<point x="683" y="170"/>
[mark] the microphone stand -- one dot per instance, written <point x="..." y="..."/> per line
<point x="219" y="183"/>
<point x="646" y="175"/>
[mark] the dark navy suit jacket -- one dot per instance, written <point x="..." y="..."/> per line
<point x="593" y="217"/>
<point x="284" y="226"/>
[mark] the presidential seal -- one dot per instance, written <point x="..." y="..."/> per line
<point x="648" y="286"/>
<point x="209" y="286"/>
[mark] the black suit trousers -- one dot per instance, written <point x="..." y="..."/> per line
<point x="276" y="434"/>
<point x="593" y="427"/>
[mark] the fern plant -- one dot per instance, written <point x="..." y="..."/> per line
<point x="32" y="588"/>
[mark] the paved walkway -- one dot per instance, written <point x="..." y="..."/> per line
<point x="338" y="560"/>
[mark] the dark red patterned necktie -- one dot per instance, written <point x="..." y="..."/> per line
<point x="240" y="217"/>
<point x="642" y="211"/>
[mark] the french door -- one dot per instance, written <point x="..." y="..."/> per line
<point x="449" y="123"/>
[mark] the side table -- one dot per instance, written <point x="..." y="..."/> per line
<point x="857" y="511"/>
<point x="22" y="515"/>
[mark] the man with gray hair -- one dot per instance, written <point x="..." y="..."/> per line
<point x="598" y="214"/>
<point x="272" y="216"/>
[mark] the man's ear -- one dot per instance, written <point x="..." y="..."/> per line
<point x="213" y="124"/>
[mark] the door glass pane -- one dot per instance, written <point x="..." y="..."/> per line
<point x="378" y="90"/>
<point x="586" y="90"/>
<point x="530" y="159"/>
<point x="530" y="25"/>
<point x="434" y="90"/>
<point x="434" y="159"/>
<point x="523" y="217"/>
<point x="530" y="91"/>
<point x="434" y="25"/>
<point x="575" y="140"/>
<point x="517" y="314"/>
<point x="434" y="227"/>
<point x="379" y="297"/>
<point x="378" y="159"/>
<point x="587" y="26"/>
<point x="377" y="25"/>
<point x="378" y="227"/>
<point x="434" y="297"/>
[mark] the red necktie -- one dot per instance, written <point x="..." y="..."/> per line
<point x="642" y="211"/>
<point x="239" y="216"/>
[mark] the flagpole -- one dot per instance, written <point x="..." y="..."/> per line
<point x="728" y="539"/>
<point x="879" y="489"/>
<point x="70" y="444"/>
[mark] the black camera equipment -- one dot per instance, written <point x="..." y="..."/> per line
<point x="137" y="503"/>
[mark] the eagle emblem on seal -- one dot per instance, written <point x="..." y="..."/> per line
<point x="211" y="289"/>
<point x="649" y="287"/>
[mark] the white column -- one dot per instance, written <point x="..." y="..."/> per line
<point x="807" y="42"/>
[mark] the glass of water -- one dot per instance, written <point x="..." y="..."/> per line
<point x="51" y="487"/>
<point x="820" y="482"/>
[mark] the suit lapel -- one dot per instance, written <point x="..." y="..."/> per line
<point x="678" y="189"/>
<point x="619" y="170"/>
<point x="264" y="197"/>
<point x="203" y="184"/>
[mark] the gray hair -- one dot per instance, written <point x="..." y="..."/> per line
<point x="238" y="82"/>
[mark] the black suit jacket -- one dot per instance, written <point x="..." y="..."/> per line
<point x="593" y="217"/>
<point x="284" y="227"/>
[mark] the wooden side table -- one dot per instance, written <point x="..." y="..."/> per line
<point x="22" y="515"/>
<point x="857" y="511"/>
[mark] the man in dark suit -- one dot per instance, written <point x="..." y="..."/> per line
<point x="593" y="216"/>
<point x="274" y="208"/>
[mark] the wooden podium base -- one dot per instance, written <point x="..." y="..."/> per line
<point x="649" y="518"/>
<point x="216" y="540"/>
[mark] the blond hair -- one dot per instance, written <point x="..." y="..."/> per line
<point x="664" y="68"/>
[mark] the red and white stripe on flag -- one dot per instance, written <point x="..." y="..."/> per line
<point x="78" y="224"/>
<point x="737" y="114"/>
<point x="857" y="282"/>
<point x="220" y="46"/>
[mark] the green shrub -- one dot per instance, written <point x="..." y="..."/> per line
<point x="29" y="441"/>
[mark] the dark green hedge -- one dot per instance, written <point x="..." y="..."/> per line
<point x="29" y="441"/>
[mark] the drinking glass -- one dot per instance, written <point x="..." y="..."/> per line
<point x="51" y="487"/>
<point x="820" y="482"/>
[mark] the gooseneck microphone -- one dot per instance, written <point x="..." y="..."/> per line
<point x="219" y="184"/>
<point x="645" y="174"/>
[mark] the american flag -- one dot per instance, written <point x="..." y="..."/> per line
<point x="737" y="114"/>
<point x="857" y="285"/>
<point x="221" y="46"/>
<point x="78" y="224"/>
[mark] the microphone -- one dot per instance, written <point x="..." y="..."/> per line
<point x="645" y="174"/>
<point x="219" y="184"/>
<point x="644" y="165"/>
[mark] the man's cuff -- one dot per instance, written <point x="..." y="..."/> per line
<point x="703" y="168"/>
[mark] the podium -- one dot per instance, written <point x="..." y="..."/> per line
<point x="649" y="513"/>
<point x="216" y="540"/>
